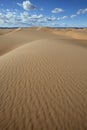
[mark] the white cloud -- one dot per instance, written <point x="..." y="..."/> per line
<point x="64" y="17"/>
<point x="24" y="17"/>
<point x="73" y="16"/>
<point x="57" y="10"/>
<point x="37" y="16"/>
<point x="9" y="18"/>
<point x="16" y="18"/>
<point x="7" y="10"/>
<point x="24" y="14"/>
<point x="82" y="11"/>
<point x="58" y="18"/>
<point x="51" y="18"/>
<point x="9" y="15"/>
<point x="1" y="16"/>
<point x="27" y="5"/>
<point x="1" y="22"/>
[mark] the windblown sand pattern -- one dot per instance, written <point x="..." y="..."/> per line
<point x="43" y="81"/>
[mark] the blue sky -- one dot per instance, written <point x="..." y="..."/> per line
<point x="54" y="13"/>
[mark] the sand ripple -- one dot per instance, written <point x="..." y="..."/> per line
<point x="43" y="87"/>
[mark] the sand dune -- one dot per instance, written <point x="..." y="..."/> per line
<point x="43" y="81"/>
<point x="8" y="31"/>
<point x="21" y="37"/>
<point x="5" y="31"/>
<point x="13" y="31"/>
<point x="74" y="33"/>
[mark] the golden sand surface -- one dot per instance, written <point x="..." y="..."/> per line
<point x="43" y="79"/>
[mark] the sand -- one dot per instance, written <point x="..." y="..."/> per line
<point x="73" y="33"/>
<point x="43" y="79"/>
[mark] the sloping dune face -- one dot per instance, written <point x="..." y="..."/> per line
<point x="5" y="31"/>
<point x="43" y="85"/>
<point x="13" y="38"/>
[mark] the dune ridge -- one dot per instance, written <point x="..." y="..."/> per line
<point x="43" y="82"/>
<point x="8" y="31"/>
<point x="13" y="31"/>
<point x="81" y="34"/>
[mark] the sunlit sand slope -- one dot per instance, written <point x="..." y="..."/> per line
<point x="43" y="86"/>
<point x="13" y="38"/>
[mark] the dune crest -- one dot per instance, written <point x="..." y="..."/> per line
<point x="72" y="33"/>
<point x="13" y="31"/>
<point x="8" y="31"/>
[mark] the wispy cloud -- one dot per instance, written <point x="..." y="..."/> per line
<point x="51" y="18"/>
<point x="64" y="17"/>
<point x="57" y="10"/>
<point x="79" y="12"/>
<point x="27" y="5"/>
<point x="82" y="11"/>
<point x="73" y="15"/>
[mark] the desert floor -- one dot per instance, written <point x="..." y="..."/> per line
<point x="43" y="79"/>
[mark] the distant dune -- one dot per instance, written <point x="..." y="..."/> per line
<point x="74" y="33"/>
<point x="43" y="79"/>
